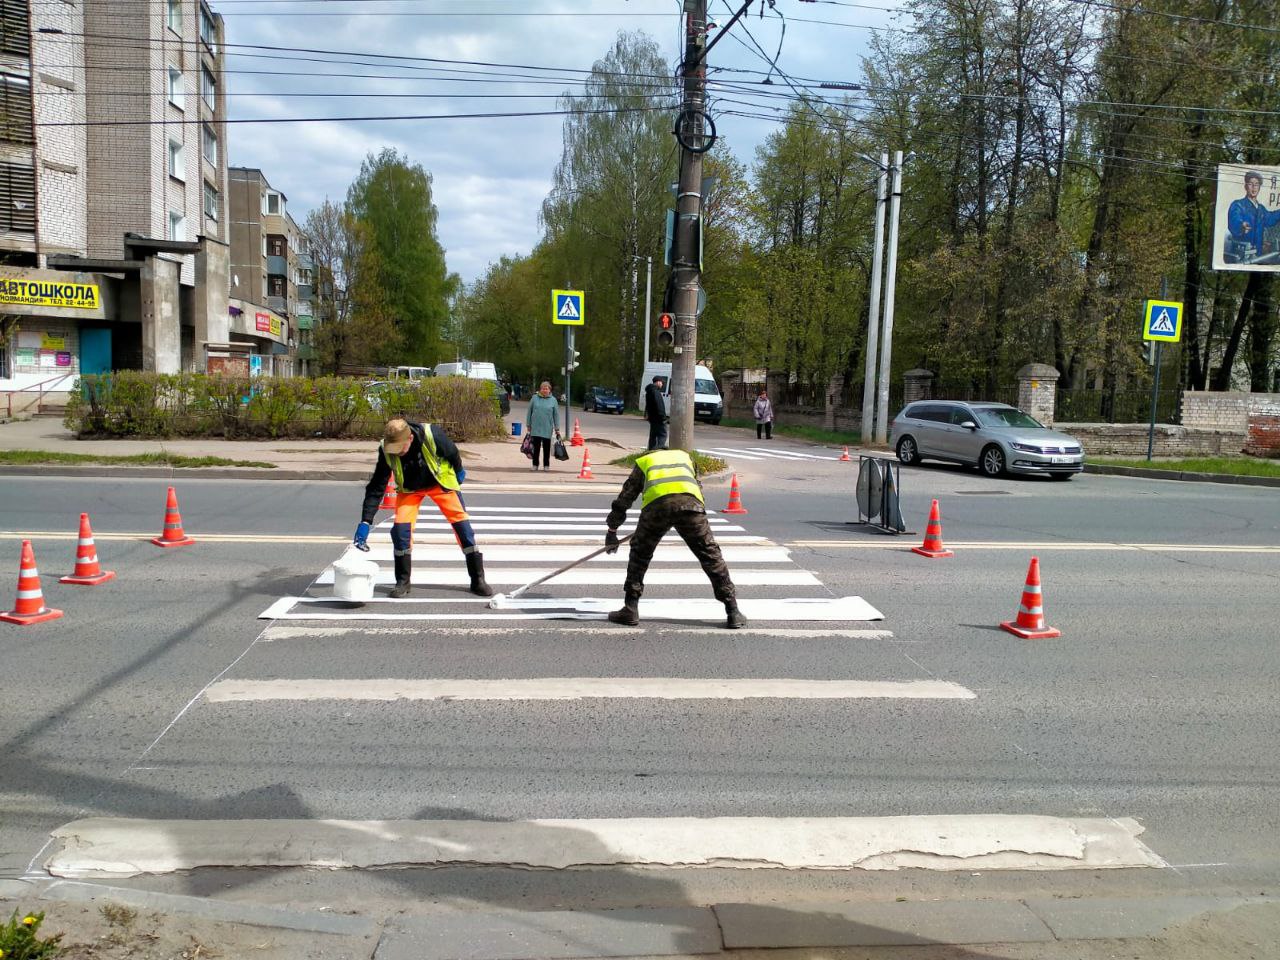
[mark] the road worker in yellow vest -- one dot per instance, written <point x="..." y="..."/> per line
<point x="425" y="463"/>
<point x="671" y="496"/>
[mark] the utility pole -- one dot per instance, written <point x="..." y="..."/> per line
<point x="686" y="261"/>
<point x="890" y="278"/>
<point x="873" y="310"/>
<point x="648" y="307"/>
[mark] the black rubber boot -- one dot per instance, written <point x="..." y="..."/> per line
<point x="734" y="618"/>
<point x="475" y="568"/>
<point x="404" y="573"/>
<point x="629" y="614"/>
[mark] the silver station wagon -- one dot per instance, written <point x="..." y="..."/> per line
<point x="994" y="437"/>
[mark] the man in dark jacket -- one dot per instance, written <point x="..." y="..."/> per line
<point x="655" y="411"/>
<point x="671" y="497"/>
<point x="425" y="463"/>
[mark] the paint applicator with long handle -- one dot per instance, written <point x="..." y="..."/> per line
<point x="500" y="600"/>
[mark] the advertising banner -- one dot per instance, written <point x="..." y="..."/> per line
<point x="45" y="293"/>
<point x="1246" y="221"/>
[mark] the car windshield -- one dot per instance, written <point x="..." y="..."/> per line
<point x="704" y="386"/>
<point x="1005" y="417"/>
<point x="605" y="392"/>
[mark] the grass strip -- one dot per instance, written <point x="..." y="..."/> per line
<point x="162" y="459"/>
<point x="703" y="464"/>
<point x="1235" y="466"/>
<point x="817" y="434"/>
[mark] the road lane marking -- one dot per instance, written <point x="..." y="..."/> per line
<point x="118" y="847"/>
<point x="794" y="609"/>
<point x="447" y="631"/>
<point x="456" y="575"/>
<point x="584" y="688"/>
<point x="511" y="553"/>
<point x="881" y="544"/>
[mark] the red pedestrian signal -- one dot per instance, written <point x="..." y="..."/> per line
<point x="666" y="329"/>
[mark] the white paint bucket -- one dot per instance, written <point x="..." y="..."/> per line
<point x="353" y="579"/>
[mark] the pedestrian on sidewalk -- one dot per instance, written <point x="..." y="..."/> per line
<point x="542" y="423"/>
<point x="655" y="411"/>
<point x="764" y="415"/>
<point x="671" y="497"/>
<point x="425" y="463"/>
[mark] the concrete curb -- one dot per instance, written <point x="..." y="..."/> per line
<point x="1154" y="473"/>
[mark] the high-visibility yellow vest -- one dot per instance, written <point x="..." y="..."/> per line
<point x="442" y="469"/>
<point x="667" y="472"/>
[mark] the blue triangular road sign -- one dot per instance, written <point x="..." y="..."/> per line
<point x="1163" y="323"/>
<point x="568" y="308"/>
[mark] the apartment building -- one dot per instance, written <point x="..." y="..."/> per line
<point x="272" y="273"/>
<point x="113" y="182"/>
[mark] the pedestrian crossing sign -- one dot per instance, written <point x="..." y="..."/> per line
<point x="1162" y="321"/>
<point x="567" y="308"/>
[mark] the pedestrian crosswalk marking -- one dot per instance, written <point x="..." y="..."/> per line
<point x="761" y="453"/>
<point x="584" y="688"/>
<point x="668" y="552"/>
<point x="118" y="847"/>
<point x="578" y="576"/>
<point x="448" y="631"/>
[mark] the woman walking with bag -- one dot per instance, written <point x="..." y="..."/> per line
<point x="764" y="415"/>
<point x="541" y="420"/>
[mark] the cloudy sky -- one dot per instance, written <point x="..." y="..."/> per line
<point x="370" y="58"/>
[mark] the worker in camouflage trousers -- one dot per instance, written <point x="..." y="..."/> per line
<point x="670" y="497"/>
<point x="425" y="463"/>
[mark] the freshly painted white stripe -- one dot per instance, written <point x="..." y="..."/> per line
<point x="793" y="453"/>
<point x="540" y="538"/>
<point x="548" y="527"/>
<point x="577" y="520"/>
<point x="456" y="574"/>
<point x="712" y="451"/>
<point x="553" y="511"/>
<point x="889" y="544"/>
<point x="522" y="631"/>
<point x="110" y="847"/>
<point x="584" y="688"/>
<point x="794" y="609"/>
<point x="512" y="553"/>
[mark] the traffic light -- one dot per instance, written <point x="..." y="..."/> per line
<point x="573" y="360"/>
<point x="666" y="329"/>
<point x="1149" y="352"/>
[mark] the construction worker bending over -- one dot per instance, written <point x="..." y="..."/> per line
<point x="671" y="497"/>
<point x="425" y="463"/>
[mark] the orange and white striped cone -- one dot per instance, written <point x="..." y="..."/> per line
<point x="87" y="573"/>
<point x="576" y="440"/>
<point x="1030" y="624"/>
<point x="388" y="496"/>
<point x="932" y="546"/>
<point x="173" y="535"/>
<point x="735" y="498"/>
<point x="844" y="457"/>
<point x="29" y="608"/>
<point x="585" y="472"/>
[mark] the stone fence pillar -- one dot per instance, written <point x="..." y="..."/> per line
<point x="917" y="385"/>
<point x="831" y="400"/>
<point x="1038" y="391"/>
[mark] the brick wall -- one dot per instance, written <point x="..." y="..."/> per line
<point x="1206" y="410"/>
<point x="1263" y="439"/>
<point x="1130" y="440"/>
<point x="58" y="87"/>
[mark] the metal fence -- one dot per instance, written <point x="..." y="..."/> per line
<point x="1121" y="406"/>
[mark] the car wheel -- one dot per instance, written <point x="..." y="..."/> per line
<point x="908" y="453"/>
<point x="1062" y="476"/>
<point x="715" y="422"/>
<point x="992" y="461"/>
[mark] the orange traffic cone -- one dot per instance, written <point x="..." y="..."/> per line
<point x="1030" y="624"/>
<point x="173" y="535"/>
<point x="932" y="546"/>
<point x="388" y="496"/>
<point x="29" y="608"/>
<point x="87" y="572"/>
<point x="844" y="457"/>
<point x="585" y="472"/>
<point x="576" y="440"/>
<point x="735" y="498"/>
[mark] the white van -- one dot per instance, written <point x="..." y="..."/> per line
<point x="474" y="369"/>
<point x="708" y="405"/>
<point x="410" y="373"/>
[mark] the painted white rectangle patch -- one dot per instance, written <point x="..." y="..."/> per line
<point x="108" y="847"/>
<point x="457" y="575"/>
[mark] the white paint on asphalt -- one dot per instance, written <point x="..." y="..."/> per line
<point x="887" y="544"/>
<point x="457" y="575"/>
<point x="508" y="553"/>
<point x="584" y="688"/>
<point x="793" y="609"/>
<point x="109" y="847"/>
<point x="522" y="631"/>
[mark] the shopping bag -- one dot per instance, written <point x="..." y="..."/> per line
<point x="526" y="445"/>
<point x="558" y="451"/>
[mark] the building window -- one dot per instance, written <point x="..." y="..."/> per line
<point x="208" y="87"/>
<point x="177" y="164"/>
<point x="177" y="226"/>
<point x="276" y="247"/>
<point x="210" y="201"/>
<point x="275" y="287"/>
<point x="264" y="252"/>
<point x="17" y="198"/>
<point x="209" y="144"/>
<point x="4" y="359"/>
<point x="175" y="16"/>
<point x="273" y="204"/>
<point x="175" y="87"/>
<point x="15" y="30"/>
<point x="15" y="109"/>
<point x="208" y="31"/>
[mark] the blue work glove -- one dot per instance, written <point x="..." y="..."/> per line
<point x="462" y="475"/>
<point x="611" y="542"/>
<point x="361" y="539"/>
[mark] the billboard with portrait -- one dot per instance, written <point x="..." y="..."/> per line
<point x="1246" y="218"/>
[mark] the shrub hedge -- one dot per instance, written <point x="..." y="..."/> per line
<point x="130" y="403"/>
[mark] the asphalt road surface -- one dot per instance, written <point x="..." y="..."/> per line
<point x="163" y="696"/>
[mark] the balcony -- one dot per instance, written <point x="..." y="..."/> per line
<point x="304" y="322"/>
<point x="278" y="266"/>
<point x="305" y="291"/>
<point x="303" y="309"/>
<point x="277" y="304"/>
<point x="306" y="351"/>
<point x="306" y="262"/>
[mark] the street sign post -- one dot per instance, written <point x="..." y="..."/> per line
<point x="568" y="308"/>
<point x="1161" y="324"/>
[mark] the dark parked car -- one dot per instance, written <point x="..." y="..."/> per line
<point x="602" y="400"/>
<point x="994" y="437"/>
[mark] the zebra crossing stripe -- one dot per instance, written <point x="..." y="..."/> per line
<point x="583" y="688"/>
<point x="118" y="847"/>
<point x="746" y="554"/>
<point x="456" y="575"/>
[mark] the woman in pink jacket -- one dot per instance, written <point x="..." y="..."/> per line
<point x="764" y="415"/>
